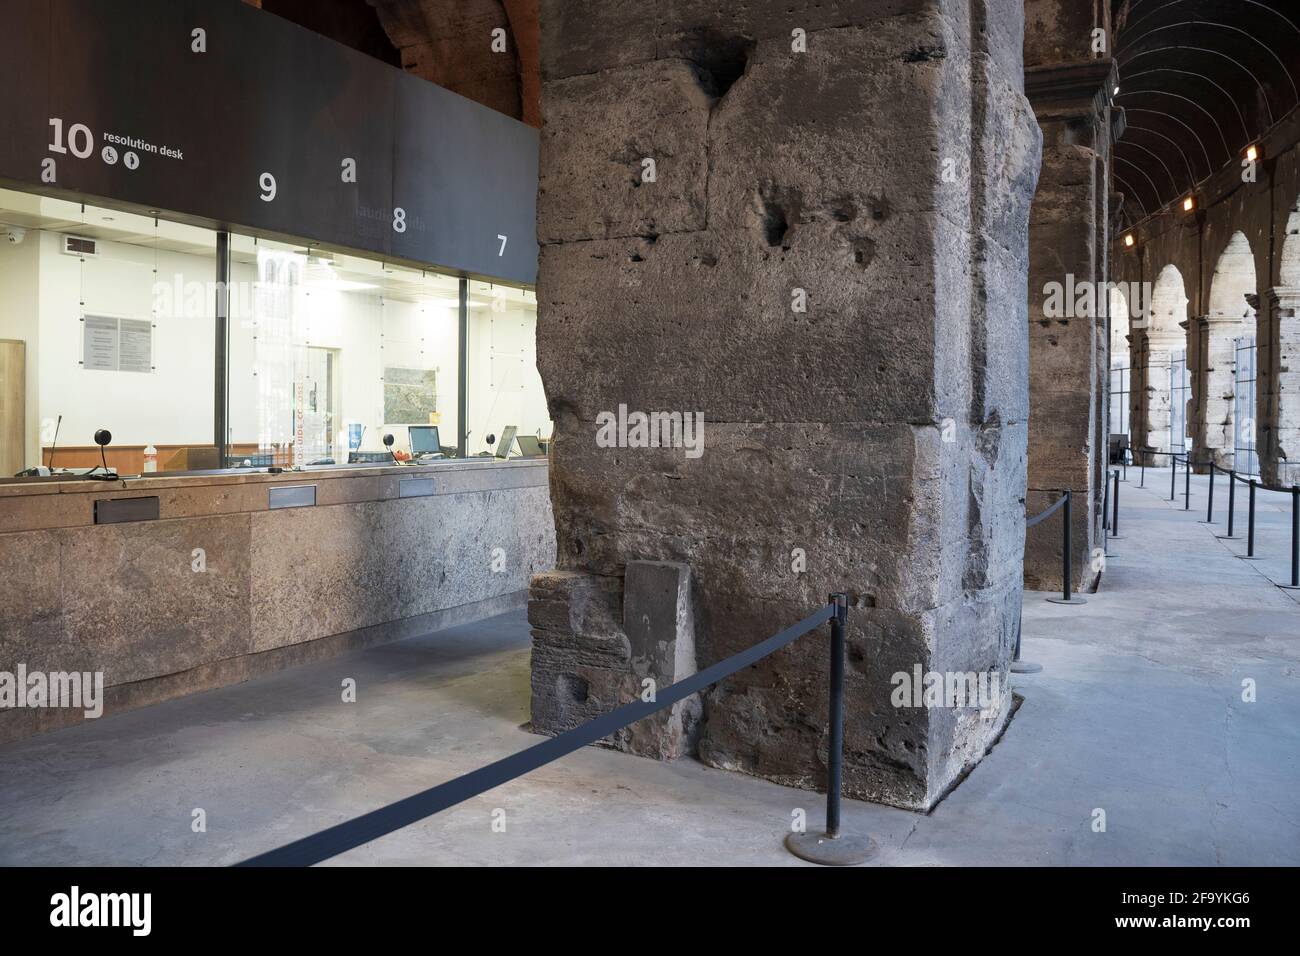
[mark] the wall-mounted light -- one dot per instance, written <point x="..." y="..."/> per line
<point x="1129" y="240"/>
<point x="1115" y="91"/>
<point x="1189" y="204"/>
<point x="1252" y="153"/>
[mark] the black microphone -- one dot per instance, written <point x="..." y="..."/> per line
<point x="55" y="444"/>
<point x="102" y="437"/>
<point x="388" y="440"/>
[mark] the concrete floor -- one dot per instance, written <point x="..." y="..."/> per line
<point x="1137" y="711"/>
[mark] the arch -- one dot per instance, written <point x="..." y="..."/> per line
<point x="1233" y="279"/>
<point x="1288" y="269"/>
<point x="1168" y="301"/>
<point x="1119" y="323"/>
<point x="1229" y="323"/>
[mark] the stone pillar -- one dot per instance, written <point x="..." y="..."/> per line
<point x="800" y="230"/>
<point x="1068" y="372"/>
<point x="1216" y="355"/>
<point x="1157" y="355"/>
<point x="1279" y="428"/>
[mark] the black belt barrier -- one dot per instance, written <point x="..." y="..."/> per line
<point x="370" y="826"/>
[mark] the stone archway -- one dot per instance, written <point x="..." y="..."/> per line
<point x="1230" y="317"/>
<point x="1120" y="388"/>
<point x="1279" y="368"/>
<point x="1159" y="339"/>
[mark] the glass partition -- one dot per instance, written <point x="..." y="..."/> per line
<point x="106" y="322"/>
<point x="330" y="352"/>
<point x="504" y="394"/>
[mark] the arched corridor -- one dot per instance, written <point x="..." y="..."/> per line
<point x="1161" y="363"/>
<point x="1228" y="328"/>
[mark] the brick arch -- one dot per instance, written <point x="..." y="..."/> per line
<point x="1233" y="279"/>
<point x="1168" y="300"/>
<point x="449" y="42"/>
<point x="1289" y="265"/>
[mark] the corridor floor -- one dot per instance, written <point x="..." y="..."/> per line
<point x="1138" y="713"/>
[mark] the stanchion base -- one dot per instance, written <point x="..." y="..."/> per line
<point x="1073" y="600"/>
<point x="847" y="849"/>
<point x="1248" y="557"/>
<point x="1025" y="667"/>
<point x="1116" y="537"/>
<point x="1289" y="587"/>
<point x="1228" y="537"/>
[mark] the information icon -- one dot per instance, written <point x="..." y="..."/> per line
<point x="109" y="154"/>
<point x="131" y="160"/>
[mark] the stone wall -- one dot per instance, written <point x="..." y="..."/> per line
<point x="1069" y="85"/>
<point x="829" y="266"/>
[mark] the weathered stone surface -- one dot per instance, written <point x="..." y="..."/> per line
<point x="127" y="600"/>
<point x="655" y="111"/>
<point x="874" y="443"/>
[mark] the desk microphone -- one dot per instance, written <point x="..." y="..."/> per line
<point x="388" y="441"/>
<point x="102" y="438"/>
<point x="55" y="444"/>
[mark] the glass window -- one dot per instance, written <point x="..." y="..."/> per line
<point x="330" y="352"/>
<point x="106" y="322"/>
<point x="504" y="393"/>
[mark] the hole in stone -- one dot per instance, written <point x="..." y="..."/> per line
<point x="719" y="61"/>
<point x="775" y="224"/>
<point x="864" y="250"/>
<point x="571" y="687"/>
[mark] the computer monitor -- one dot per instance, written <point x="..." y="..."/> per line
<point x="530" y="446"/>
<point x="424" y="440"/>
<point x="507" y="441"/>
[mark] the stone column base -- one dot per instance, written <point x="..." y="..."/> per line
<point x="600" y="642"/>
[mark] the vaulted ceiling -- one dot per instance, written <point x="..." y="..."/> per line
<point x="1200" y="80"/>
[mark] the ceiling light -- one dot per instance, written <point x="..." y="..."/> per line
<point x="1129" y="240"/>
<point x="1189" y="204"/>
<point x="1252" y="153"/>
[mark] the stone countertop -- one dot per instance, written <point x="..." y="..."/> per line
<point x="45" y="504"/>
<point x="19" y="487"/>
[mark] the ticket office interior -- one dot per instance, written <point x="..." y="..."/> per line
<point x="108" y="321"/>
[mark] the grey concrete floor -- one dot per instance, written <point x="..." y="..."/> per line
<point x="1138" y="712"/>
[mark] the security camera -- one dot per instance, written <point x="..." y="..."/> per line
<point x="15" y="234"/>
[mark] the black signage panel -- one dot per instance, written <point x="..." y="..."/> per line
<point x="222" y="113"/>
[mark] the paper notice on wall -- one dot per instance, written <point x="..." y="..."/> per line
<point x="99" y="336"/>
<point x="117" y="345"/>
<point x="135" y="346"/>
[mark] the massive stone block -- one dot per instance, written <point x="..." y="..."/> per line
<point x="829" y="269"/>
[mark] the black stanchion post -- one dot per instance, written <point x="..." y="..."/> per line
<point x="1019" y="666"/>
<point x="1232" y="499"/>
<point x="1295" y="540"/>
<point x="1250" y="522"/>
<point x="1143" y="483"/>
<point x="1209" y="507"/>
<point x="1173" y="477"/>
<point x="1066" y="558"/>
<point x="832" y="847"/>
<point x="1105" y="506"/>
<point x="1114" y="509"/>
<point x="1187" y="484"/>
